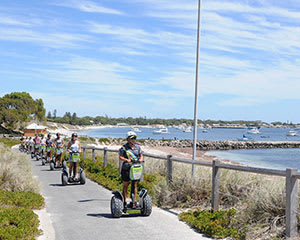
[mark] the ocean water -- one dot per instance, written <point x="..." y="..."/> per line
<point x="267" y="134"/>
<point x="268" y="158"/>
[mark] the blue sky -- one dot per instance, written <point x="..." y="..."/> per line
<point x="137" y="57"/>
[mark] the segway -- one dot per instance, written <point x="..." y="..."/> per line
<point x="21" y="148"/>
<point x="41" y="153"/>
<point x="45" y="157"/>
<point x="52" y="162"/>
<point x="35" y="150"/>
<point x="65" y="176"/>
<point x="144" y="203"/>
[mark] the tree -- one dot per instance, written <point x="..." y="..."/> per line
<point x="18" y="107"/>
<point x="54" y="113"/>
<point x="49" y="116"/>
<point x="74" y="118"/>
<point x="41" y="111"/>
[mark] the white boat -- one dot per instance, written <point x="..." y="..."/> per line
<point x="292" y="133"/>
<point x="136" y="129"/>
<point x="205" y="131"/>
<point x="188" y="129"/>
<point x="253" y="130"/>
<point x="245" y="138"/>
<point x="161" y="131"/>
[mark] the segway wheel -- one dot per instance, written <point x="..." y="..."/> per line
<point x="64" y="164"/>
<point x="51" y="165"/>
<point x="32" y="155"/>
<point x="147" y="206"/>
<point x="64" y="179"/>
<point x="43" y="161"/>
<point x="82" y="177"/>
<point x="116" y="207"/>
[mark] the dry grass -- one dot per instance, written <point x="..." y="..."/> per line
<point x="16" y="172"/>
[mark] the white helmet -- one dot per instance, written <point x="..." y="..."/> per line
<point x="131" y="134"/>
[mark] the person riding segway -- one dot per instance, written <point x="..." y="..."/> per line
<point x="49" y="146"/>
<point x="43" y="146"/>
<point x="59" y="149"/>
<point x="75" y="175"/>
<point x="37" y="143"/>
<point x="132" y="170"/>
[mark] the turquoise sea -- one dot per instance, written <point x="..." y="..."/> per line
<point x="267" y="158"/>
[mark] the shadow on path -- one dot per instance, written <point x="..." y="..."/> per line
<point x="91" y="200"/>
<point x="108" y="215"/>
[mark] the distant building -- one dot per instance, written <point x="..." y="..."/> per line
<point x="122" y="124"/>
<point x="34" y="128"/>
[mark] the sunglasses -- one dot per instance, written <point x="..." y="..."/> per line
<point x="132" y="137"/>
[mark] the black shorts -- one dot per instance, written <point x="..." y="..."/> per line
<point x="125" y="172"/>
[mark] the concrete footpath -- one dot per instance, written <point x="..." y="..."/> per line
<point x="83" y="212"/>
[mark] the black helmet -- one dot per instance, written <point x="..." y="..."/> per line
<point x="57" y="134"/>
<point x="49" y="135"/>
<point x="74" y="135"/>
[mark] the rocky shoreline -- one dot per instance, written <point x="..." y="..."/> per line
<point x="206" y="145"/>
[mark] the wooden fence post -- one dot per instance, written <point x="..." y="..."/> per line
<point x="169" y="169"/>
<point x="93" y="154"/>
<point x="105" y="156"/>
<point x="84" y="153"/>
<point x="215" y="199"/>
<point x="291" y="208"/>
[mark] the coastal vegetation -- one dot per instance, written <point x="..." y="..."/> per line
<point x="217" y="224"/>
<point x="19" y="195"/>
<point x="73" y="119"/>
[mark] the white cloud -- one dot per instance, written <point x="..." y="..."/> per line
<point x="8" y="20"/>
<point x="96" y="75"/>
<point x="52" y="40"/>
<point x="136" y="35"/>
<point x="123" y="50"/>
<point x="88" y="6"/>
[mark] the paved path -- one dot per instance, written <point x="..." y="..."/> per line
<point x="83" y="212"/>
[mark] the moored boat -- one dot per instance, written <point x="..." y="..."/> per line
<point x="292" y="133"/>
<point x="161" y="131"/>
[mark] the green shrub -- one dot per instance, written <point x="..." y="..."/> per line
<point x="9" y="142"/>
<point x="218" y="224"/>
<point x="21" y="199"/>
<point x="18" y="223"/>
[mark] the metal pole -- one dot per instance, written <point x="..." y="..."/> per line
<point x="196" y="90"/>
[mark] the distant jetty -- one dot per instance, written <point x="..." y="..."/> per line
<point x="206" y="145"/>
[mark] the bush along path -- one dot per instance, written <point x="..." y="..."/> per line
<point x="19" y="194"/>
<point x="17" y="220"/>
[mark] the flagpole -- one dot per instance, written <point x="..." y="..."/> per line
<point x="196" y="91"/>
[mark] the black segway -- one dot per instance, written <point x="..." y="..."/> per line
<point x="65" y="176"/>
<point x="41" y="154"/>
<point x="45" y="157"/>
<point x="144" y="203"/>
<point x="57" y="165"/>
